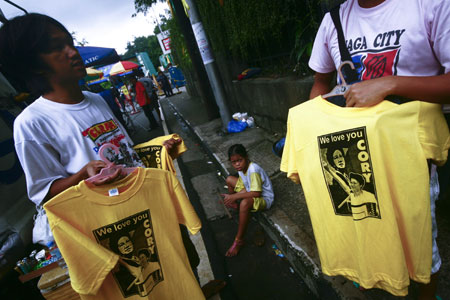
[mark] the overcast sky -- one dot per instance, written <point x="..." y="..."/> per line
<point x="103" y="23"/>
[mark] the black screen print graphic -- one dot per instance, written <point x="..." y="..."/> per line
<point x="132" y="238"/>
<point x="151" y="156"/>
<point x="348" y="173"/>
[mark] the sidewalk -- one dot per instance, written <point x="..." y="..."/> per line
<point x="288" y="222"/>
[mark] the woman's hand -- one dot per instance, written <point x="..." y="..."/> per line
<point x="369" y="92"/>
<point x="325" y="164"/>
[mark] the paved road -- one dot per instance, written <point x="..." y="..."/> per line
<point x="257" y="272"/>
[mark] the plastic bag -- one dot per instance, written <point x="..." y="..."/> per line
<point x="240" y="116"/>
<point x="236" y="126"/>
<point x="236" y="116"/>
<point x="251" y="122"/>
<point x="278" y="147"/>
<point x="41" y="230"/>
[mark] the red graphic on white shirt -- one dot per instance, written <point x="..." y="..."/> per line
<point x="379" y="64"/>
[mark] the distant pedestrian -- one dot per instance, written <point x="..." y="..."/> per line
<point x="110" y="96"/>
<point x="144" y="101"/>
<point x="176" y="76"/>
<point x="151" y="91"/>
<point x="164" y="83"/>
<point x="252" y="191"/>
<point x="116" y="84"/>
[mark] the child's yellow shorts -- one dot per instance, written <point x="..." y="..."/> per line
<point x="259" y="204"/>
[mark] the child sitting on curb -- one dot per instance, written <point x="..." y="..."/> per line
<point x="252" y="191"/>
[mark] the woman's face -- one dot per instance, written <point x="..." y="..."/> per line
<point x="124" y="245"/>
<point x="143" y="259"/>
<point x="338" y="159"/>
<point x="355" y="186"/>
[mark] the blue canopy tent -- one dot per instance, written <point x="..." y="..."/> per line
<point x="98" y="56"/>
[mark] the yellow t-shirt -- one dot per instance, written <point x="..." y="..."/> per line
<point x="122" y="240"/>
<point x="154" y="155"/>
<point x="383" y="150"/>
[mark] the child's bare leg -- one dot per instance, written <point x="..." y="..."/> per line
<point x="244" y="216"/>
<point x="231" y="183"/>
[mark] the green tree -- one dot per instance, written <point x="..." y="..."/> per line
<point x="163" y="20"/>
<point x="178" y="45"/>
<point x="142" y="6"/>
<point x="155" y="50"/>
<point x="147" y="44"/>
<point x="277" y="35"/>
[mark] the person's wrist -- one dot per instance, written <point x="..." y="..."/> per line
<point x="390" y="83"/>
<point x="84" y="173"/>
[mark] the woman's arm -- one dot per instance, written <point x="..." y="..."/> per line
<point x="338" y="179"/>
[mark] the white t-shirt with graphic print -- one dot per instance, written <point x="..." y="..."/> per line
<point x="394" y="38"/>
<point x="55" y="140"/>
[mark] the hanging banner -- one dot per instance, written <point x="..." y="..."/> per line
<point x="202" y="42"/>
<point x="146" y="63"/>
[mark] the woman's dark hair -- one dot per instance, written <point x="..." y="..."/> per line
<point x="237" y="149"/>
<point x="357" y="177"/>
<point x="22" y="39"/>
<point x="144" y="251"/>
<point x="140" y="73"/>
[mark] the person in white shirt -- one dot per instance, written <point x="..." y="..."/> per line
<point x="58" y="136"/>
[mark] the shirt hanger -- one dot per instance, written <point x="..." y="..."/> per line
<point x="339" y="90"/>
<point x="110" y="166"/>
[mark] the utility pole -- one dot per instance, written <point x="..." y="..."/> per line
<point x="199" y="69"/>
<point x="156" y="19"/>
<point x="209" y="62"/>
